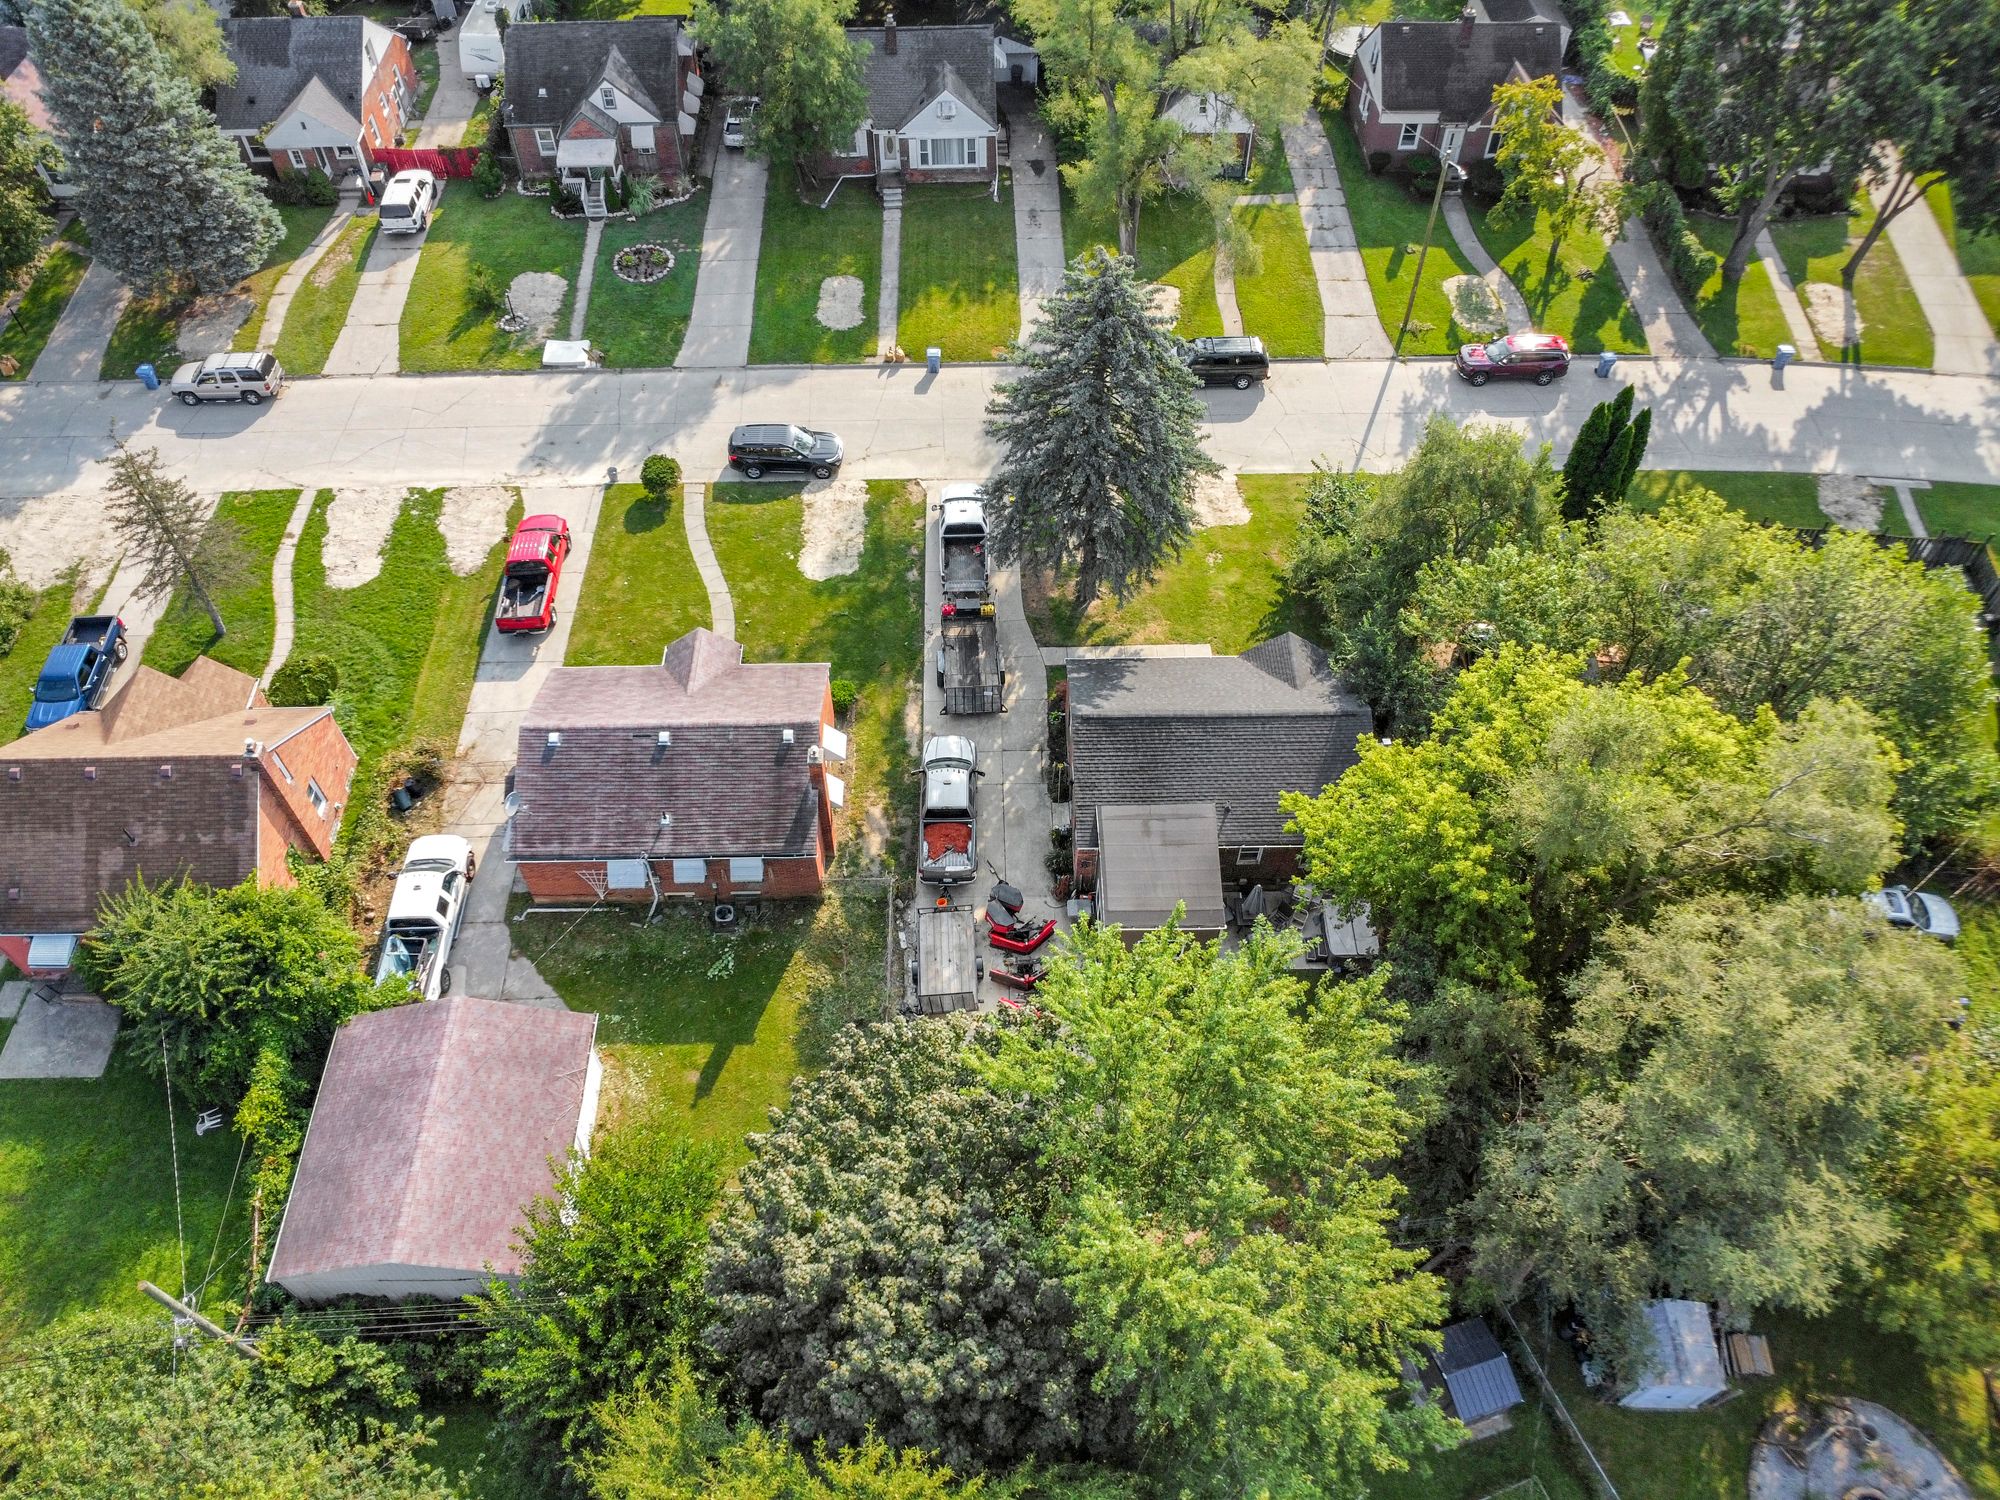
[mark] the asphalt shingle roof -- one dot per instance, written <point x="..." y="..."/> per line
<point x="1232" y="730"/>
<point x="1476" y="1371"/>
<point x="928" y="60"/>
<point x="730" y="782"/>
<point x="277" y="56"/>
<point x="553" y="65"/>
<point x="1451" y="69"/>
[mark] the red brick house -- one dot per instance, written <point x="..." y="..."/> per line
<point x="705" y="776"/>
<point x="1426" y="87"/>
<point x="590" y="101"/>
<point x="315" y="92"/>
<point x="933" y="113"/>
<point x="195" y="776"/>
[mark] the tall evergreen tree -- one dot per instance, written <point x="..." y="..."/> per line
<point x="167" y="199"/>
<point x="1103" y="437"/>
<point x="1600" y="467"/>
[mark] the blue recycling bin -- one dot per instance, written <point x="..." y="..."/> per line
<point x="1786" y="354"/>
<point x="149" y="377"/>
<point x="933" y="359"/>
<point x="1606" y="363"/>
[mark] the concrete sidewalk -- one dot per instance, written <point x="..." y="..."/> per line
<point x="725" y="287"/>
<point x="1671" y="331"/>
<point x="1351" y="330"/>
<point x="1038" y="241"/>
<point x="1459" y="222"/>
<point x="370" y="340"/>
<point x="1803" y="338"/>
<point x="1962" y="337"/>
<point x="75" y="350"/>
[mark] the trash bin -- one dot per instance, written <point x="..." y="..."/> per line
<point x="1786" y="354"/>
<point x="148" y="377"/>
<point x="933" y="359"/>
<point x="1606" y="362"/>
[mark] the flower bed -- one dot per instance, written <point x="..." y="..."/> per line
<point x="643" y="263"/>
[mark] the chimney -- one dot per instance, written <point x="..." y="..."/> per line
<point x="816" y="772"/>
<point x="889" y="34"/>
<point x="1467" y="19"/>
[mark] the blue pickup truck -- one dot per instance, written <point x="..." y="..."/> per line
<point x="78" y="670"/>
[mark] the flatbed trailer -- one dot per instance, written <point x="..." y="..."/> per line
<point x="969" y="669"/>
<point x="945" y="975"/>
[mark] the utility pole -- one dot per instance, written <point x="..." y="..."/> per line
<point x="181" y="1310"/>
<point x="1445" y="168"/>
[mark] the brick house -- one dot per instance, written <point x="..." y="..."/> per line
<point x="705" y="777"/>
<point x="21" y="81"/>
<point x="588" y="101"/>
<point x="1203" y="742"/>
<point x="195" y="776"/>
<point x="1427" y="86"/>
<point x="315" y="92"/>
<point x="933" y="111"/>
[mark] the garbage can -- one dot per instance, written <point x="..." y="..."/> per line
<point x="933" y="359"/>
<point x="1786" y="354"/>
<point x="148" y="377"/>
<point x="1606" y="362"/>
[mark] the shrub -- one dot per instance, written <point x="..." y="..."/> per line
<point x="563" y="201"/>
<point x="1422" y="174"/>
<point x="314" y="188"/>
<point x="483" y="290"/>
<point x="1689" y="261"/>
<point x="486" y="178"/>
<point x="306" y="680"/>
<point x="1483" y="179"/>
<point x="1378" y="162"/>
<point x="845" y="690"/>
<point x="1333" y="86"/>
<point x="661" y="476"/>
<point x="642" y="194"/>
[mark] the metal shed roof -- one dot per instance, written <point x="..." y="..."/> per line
<point x="1150" y="858"/>
<point x="1476" y="1371"/>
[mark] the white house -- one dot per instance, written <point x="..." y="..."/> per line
<point x="932" y="111"/>
<point x="1686" y="1364"/>
<point x="1212" y="114"/>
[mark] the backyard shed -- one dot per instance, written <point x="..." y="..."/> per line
<point x="1153" y="857"/>
<point x="1476" y="1372"/>
<point x="1686" y="1364"/>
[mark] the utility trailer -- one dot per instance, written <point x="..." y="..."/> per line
<point x="946" y="972"/>
<point x="969" y="670"/>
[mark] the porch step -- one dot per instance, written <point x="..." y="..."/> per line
<point x="593" y="198"/>
<point x="889" y="187"/>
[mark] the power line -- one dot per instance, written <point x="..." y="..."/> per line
<point x="174" y="1146"/>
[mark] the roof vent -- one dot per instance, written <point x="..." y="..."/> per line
<point x="13" y="773"/>
<point x="13" y="893"/>
<point x="166" y="773"/>
<point x="666" y="820"/>
<point x="789" y="736"/>
<point x="814" y="755"/>
<point x="237" y="770"/>
<point x="252" y="748"/>
<point x="90" y="773"/>
<point x="541" y="93"/>
<point x="555" y="738"/>
<point x="664" y="737"/>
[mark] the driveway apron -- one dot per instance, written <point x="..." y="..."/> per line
<point x="369" y="340"/>
<point x="76" y="349"/>
<point x="725" y="288"/>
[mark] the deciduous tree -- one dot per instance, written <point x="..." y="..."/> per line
<point x="1102" y="437"/>
<point x="796" y="57"/>
<point x="24" y="216"/>
<point x="1548" y="167"/>
<point x="167" y="529"/>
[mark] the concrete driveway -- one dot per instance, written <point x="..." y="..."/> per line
<point x="725" y="287"/>
<point x="368" y="342"/>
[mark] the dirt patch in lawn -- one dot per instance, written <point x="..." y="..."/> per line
<point x="840" y="302"/>
<point x="1850" y="502"/>
<point x="836" y="516"/>
<point x="357" y="528"/>
<point x="210" y="324"/>
<point x="1218" y="502"/>
<point x="474" y="516"/>
<point x="1832" y="313"/>
<point x="1164" y="301"/>
<point x="536" y="297"/>
<point x="1475" y="306"/>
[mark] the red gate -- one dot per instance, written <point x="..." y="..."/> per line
<point x="450" y="161"/>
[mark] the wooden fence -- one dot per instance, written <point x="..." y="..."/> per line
<point x="448" y="161"/>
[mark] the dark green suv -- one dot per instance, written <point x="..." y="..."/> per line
<point x="1234" y="360"/>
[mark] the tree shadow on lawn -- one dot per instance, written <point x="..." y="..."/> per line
<point x="644" y="515"/>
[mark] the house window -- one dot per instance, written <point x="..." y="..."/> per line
<point x="255" y="152"/>
<point x="1202" y="104"/>
<point x="1253" y="856"/>
<point x="746" y="871"/>
<point x="383" y="100"/>
<point x="277" y="759"/>
<point x="690" y="871"/>
<point x="947" y="108"/>
<point x="948" y="151"/>
<point x="368" y="49"/>
<point x="315" y="796"/>
<point x="608" y="97"/>
<point x="1411" y="137"/>
<point x="375" y="134"/>
<point x="860" y="140"/>
<point x="297" y="159"/>
<point x="344" y="153"/>
<point x="545" y="141"/>
<point x="1493" y="141"/>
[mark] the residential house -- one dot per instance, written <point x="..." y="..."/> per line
<point x="1502" y="11"/>
<point x="705" y="776"/>
<point x="195" y="776"/>
<point x="933" y="115"/>
<point x="21" y="81"/>
<point x="1201" y="738"/>
<point x="315" y="93"/>
<point x="435" y="1127"/>
<point x="589" y="101"/>
<point x="1016" y="62"/>
<point x="1427" y="86"/>
<point x="1213" y="115"/>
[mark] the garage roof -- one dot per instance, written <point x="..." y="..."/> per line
<point x="1151" y="858"/>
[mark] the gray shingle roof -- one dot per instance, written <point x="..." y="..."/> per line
<point x="567" y="58"/>
<point x="731" y="783"/>
<point x="899" y="86"/>
<point x="277" y="56"/>
<point x="1153" y="858"/>
<point x="1476" y="1371"/>
<point x="1436" y="66"/>
<point x="1232" y="730"/>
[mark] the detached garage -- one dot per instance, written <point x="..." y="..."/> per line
<point x="436" y="1125"/>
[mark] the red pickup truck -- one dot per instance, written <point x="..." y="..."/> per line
<point x="534" y="568"/>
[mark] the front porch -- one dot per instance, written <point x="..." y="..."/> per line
<point x="589" y="168"/>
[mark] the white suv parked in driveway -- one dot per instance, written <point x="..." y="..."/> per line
<point x="407" y="202"/>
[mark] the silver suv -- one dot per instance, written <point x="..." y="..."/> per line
<point x="249" y="378"/>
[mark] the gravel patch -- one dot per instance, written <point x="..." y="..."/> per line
<point x="474" y="517"/>
<point x="1851" y="502"/>
<point x="1218" y="502"/>
<point x="210" y="324"/>
<point x="357" y="528"/>
<point x="537" y="297"/>
<point x="1163" y="301"/>
<point x="836" y="516"/>
<point x="1831" y="311"/>
<point x="840" y="302"/>
<point x="1475" y="306"/>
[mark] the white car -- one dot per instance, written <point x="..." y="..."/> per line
<point x="425" y="911"/>
<point x="407" y="202"/>
<point x="1919" y="910"/>
<point x="736" y="123"/>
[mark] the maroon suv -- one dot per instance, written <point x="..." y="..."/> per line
<point x="1540" y="357"/>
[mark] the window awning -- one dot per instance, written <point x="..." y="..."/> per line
<point x="585" y="153"/>
<point x="686" y="123"/>
<point x="51" y="950"/>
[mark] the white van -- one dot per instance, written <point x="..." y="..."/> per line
<point x="407" y="201"/>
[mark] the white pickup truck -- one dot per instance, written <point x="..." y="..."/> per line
<point x="425" y="911"/>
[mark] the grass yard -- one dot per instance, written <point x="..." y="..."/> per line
<point x="1227" y="588"/>
<point x="301" y="224"/>
<point x="958" y="286"/>
<point x="1389" y="229"/>
<point x="320" y="305"/>
<point x="1576" y="292"/>
<point x="709" y="1027"/>
<point x="41" y="306"/>
<point x="1894" y="330"/>
<point x="1279" y="301"/>
<point x="1270" y="170"/>
<point x="258" y="519"/>
<point x="1741" y="317"/>
<point x="867" y="624"/>
<point x="470" y="1454"/>
<point x="1978" y="254"/>
<point x="642" y="590"/>
<point x="87" y="1203"/>
<point x="636" y="325"/>
<point x="425" y="56"/>
<point x="1959" y="509"/>
<point x="1176" y="249"/>
<point x="479" y="129"/>
<point x="1783" y="499"/>
<point x="406" y="641"/>
<point x="442" y="329"/>
<point x="20" y="666"/>
<point x="803" y="245"/>
<point x="148" y="333"/>
<point x="625" y="10"/>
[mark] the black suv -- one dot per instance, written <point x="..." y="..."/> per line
<point x="776" y="448"/>
<point x="1236" y="360"/>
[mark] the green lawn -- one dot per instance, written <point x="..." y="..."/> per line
<point x="1784" y="499"/>
<point x="1894" y="330"/>
<point x="803" y="245"/>
<point x="301" y="224"/>
<point x="479" y="129"/>
<point x="1176" y="249"/>
<point x="442" y="330"/>
<point x="425" y="56"/>
<point x="42" y="305"/>
<point x="624" y="10"/>
<point x="1225" y="589"/>
<point x="638" y="326"/>
<point x="1389" y="229"/>
<point x="1270" y="171"/>
<point x="1741" y="317"/>
<point x="1978" y="254"/>
<point x="148" y="333"/>
<point x="320" y="305"/>
<point x="712" y="1027"/>
<point x="87" y="1203"/>
<point x="1279" y="301"/>
<point x="257" y="517"/>
<point x="1960" y="509"/>
<point x="867" y="624"/>
<point x="642" y="590"/>
<point x="466" y="1450"/>
<point x="958" y="288"/>
<point x="1576" y="292"/>
<point x="23" y="664"/>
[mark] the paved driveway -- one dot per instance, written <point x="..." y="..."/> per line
<point x="368" y="342"/>
<point x="725" y="288"/>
